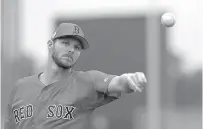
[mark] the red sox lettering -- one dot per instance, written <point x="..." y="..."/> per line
<point x="54" y="111"/>
<point x="59" y="111"/>
<point x="24" y="112"/>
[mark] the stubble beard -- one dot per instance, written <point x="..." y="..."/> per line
<point x="59" y="63"/>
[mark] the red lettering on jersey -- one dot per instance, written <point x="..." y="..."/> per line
<point x="51" y="111"/>
<point x="24" y="112"/>
<point x="29" y="111"/>
<point x="57" y="111"/>
<point x="69" y="114"/>
<point x="16" y="115"/>
<point x="21" y="114"/>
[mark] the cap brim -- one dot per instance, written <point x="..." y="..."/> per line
<point x="83" y="41"/>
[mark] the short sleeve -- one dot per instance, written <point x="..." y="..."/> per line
<point x="101" y="83"/>
<point x="9" y="122"/>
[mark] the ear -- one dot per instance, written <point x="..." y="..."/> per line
<point x="50" y="44"/>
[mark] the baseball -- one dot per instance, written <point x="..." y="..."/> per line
<point x="168" y="19"/>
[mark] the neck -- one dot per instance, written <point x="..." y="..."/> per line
<point x="53" y="73"/>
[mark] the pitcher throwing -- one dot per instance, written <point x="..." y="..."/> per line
<point x="61" y="97"/>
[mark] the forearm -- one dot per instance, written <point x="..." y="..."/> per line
<point x="127" y="83"/>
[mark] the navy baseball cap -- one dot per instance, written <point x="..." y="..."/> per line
<point x="70" y="29"/>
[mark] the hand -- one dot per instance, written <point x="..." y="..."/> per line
<point x="136" y="81"/>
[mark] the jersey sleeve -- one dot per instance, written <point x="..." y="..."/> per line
<point x="9" y="122"/>
<point x="101" y="83"/>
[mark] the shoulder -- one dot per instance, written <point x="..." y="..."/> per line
<point x="85" y="75"/>
<point x="26" y="80"/>
<point x="21" y="84"/>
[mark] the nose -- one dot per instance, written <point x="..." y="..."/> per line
<point x="71" y="49"/>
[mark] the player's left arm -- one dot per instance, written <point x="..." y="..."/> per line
<point x="127" y="83"/>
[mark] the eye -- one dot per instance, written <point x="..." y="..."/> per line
<point x="66" y="42"/>
<point x="78" y="47"/>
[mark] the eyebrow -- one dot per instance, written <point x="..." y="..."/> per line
<point x="79" y="45"/>
<point x="68" y="41"/>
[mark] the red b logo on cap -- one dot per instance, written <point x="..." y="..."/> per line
<point x="77" y="30"/>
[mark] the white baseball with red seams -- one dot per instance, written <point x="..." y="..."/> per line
<point x="168" y="19"/>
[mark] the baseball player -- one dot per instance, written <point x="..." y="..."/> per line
<point x="61" y="97"/>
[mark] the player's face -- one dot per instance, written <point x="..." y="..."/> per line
<point x="66" y="51"/>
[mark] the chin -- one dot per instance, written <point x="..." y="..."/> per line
<point x="64" y="64"/>
<point x="67" y="65"/>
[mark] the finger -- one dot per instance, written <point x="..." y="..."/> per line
<point x="146" y="80"/>
<point x="142" y="78"/>
<point x="138" y="78"/>
<point x="133" y="84"/>
<point x="135" y="79"/>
